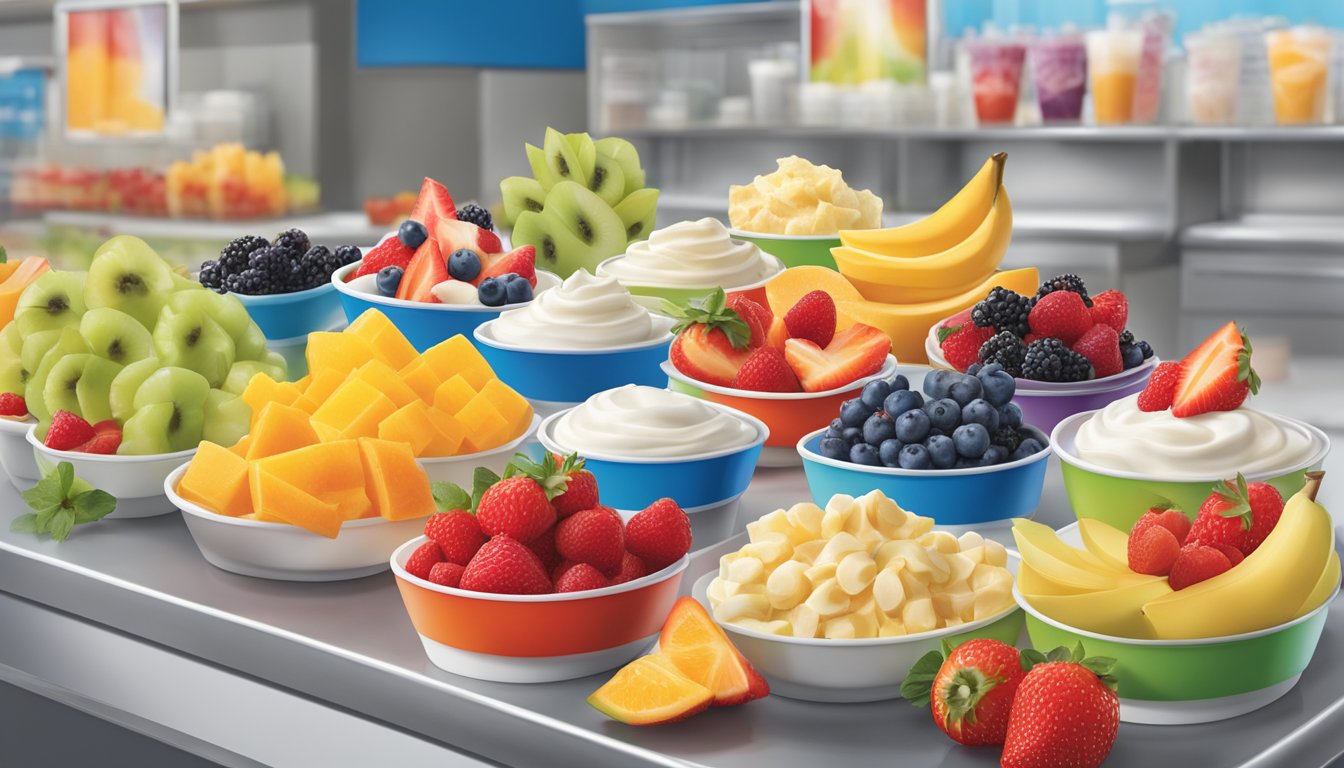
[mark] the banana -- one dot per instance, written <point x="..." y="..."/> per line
<point x="1266" y="589"/>
<point x="1110" y="545"/>
<point x="1325" y="587"/>
<point x="954" y="222"/>
<point x="1115" y="612"/>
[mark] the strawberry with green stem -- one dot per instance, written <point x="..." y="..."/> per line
<point x="970" y="692"/>
<point x="1066" y="711"/>
<point x="713" y="341"/>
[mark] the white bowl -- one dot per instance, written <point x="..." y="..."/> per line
<point x="135" y="481"/>
<point x="459" y="469"/>
<point x="16" y="455"/>
<point x="287" y="552"/>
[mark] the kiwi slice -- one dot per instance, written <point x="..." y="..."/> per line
<point x="35" y="347"/>
<point x="58" y="391"/>
<point x="169" y="413"/>
<point x="127" y="274"/>
<point x="584" y="149"/>
<point x="94" y="388"/>
<point x="607" y="180"/>
<point x="12" y="373"/>
<point x="577" y="230"/>
<point x="562" y="159"/>
<point x="121" y="395"/>
<point x="68" y="342"/>
<point x="115" y="335"/>
<point x="637" y="212"/>
<point x="626" y="156"/>
<point x="53" y="301"/>
<point x="520" y="194"/>
<point x="536" y="157"/>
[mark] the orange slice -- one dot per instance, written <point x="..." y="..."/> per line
<point x="650" y="691"/>
<point x="699" y="648"/>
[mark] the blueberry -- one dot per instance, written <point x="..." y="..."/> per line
<point x="966" y="390"/>
<point x="834" y="448"/>
<point x="874" y="392"/>
<point x="934" y="432"/>
<point x="942" y="452"/>
<point x="387" y="280"/>
<point x="890" y="453"/>
<point x="1026" y="448"/>
<point x="412" y="234"/>
<point x="517" y="290"/>
<point x="464" y="264"/>
<point x="902" y="400"/>
<point x="863" y="453"/>
<point x="987" y="369"/>
<point x="915" y="456"/>
<point x="965" y="463"/>
<point x="878" y="428"/>
<point x="973" y="369"/>
<point x="1132" y="356"/>
<point x="899" y="382"/>
<point x="852" y="435"/>
<point x="836" y="428"/>
<point x="971" y="440"/>
<point x="994" y="454"/>
<point x="943" y="414"/>
<point x="1010" y="415"/>
<point x="492" y="292"/>
<point x="982" y="413"/>
<point x="853" y="412"/>
<point x="998" y="386"/>
<point x="912" y="427"/>
<point x="1146" y="348"/>
<point x="937" y="382"/>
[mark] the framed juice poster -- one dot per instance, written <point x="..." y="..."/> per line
<point x="118" y="62"/>
<point x="854" y="41"/>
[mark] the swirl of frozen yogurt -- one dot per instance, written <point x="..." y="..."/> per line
<point x="584" y="312"/>
<point x="646" y="422"/>
<point x="692" y="254"/>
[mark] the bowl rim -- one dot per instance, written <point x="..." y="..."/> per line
<point x="285" y="298"/>
<point x="17" y="427"/>
<point x="762" y="434"/>
<point x="338" y="281"/>
<point x="809" y="455"/>
<point x="889" y="368"/>
<point x="484" y="333"/>
<point x="512" y="445"/>
<point x="861" y="642"/>
<point x="780" y="266"/>
<point x="191" y="508"/>
<point x="745" y="233"/>
<point x="101" y="458"/>
<point x="1067" y="456"/>
<point x="403" y="551"/>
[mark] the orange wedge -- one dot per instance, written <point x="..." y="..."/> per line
<point x="650" y="691"/>
<point x="702" y="652"/>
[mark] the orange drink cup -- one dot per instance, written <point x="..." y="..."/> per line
<point x="1212" y="77"/>
<point x="1298" y="73"/>
<point x="1113" y="67"/>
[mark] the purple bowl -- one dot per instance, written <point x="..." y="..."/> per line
<point x="1046" y="408"/>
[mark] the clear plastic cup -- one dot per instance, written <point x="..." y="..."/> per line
<point x="1212" y="77"/>
<point x="1060" y="68"/>
<point x="996" y="74"/>
<point x="1298" y="73"/>
<point x="1156" y="28"/>
<point x="1113" y="68"/>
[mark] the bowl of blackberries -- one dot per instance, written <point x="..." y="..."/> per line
<point x="285" y="283"/>
<point x="1070" y="351"/>
<point x="957" y="451"/>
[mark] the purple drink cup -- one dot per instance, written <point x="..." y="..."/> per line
<point x="1060" y="68"/>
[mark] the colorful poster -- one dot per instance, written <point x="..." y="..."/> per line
<point x="855" y="41"/>
<point x="116" y="70"/>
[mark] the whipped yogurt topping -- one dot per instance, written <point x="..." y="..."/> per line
<point x="692" y="254"/>
<point x="645" y="422"/>
<point x="1210" y="445"/>
<point x="585" y="312"/>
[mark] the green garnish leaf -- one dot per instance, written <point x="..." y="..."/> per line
<point x="945" y="332"/>
<point x="481" y="480"/>
<point x="4" y="255"/>
<point x="917" y="688"/>
<point x="26" y="523"/>
<point x="60" y="501"/>
<point x="711" y="311"/>
<point x="93" y="505"/>
<point x="450" y="496"/>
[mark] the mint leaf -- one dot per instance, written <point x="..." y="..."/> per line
<point x="66" y="472"/>
<point x="945" y="332"/>
<point x="47" y="493"/>
<point x="449" y="496"/>
<point x="24" y="523"/>
<point x="60" y="501"/>
<point x="44" y="517"/>
<point x="4" y="255"/>
<point x="481" y="480"/>
<point x="917" y="688"/>
<point x="91" y="506"/>
<point x="61" y="524"/>
<point x="1030" y="658"/>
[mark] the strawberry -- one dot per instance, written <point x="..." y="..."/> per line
<point x="712" y="340"/>
<point x="855" y="352"/>
<point x="766" y="370"/>
<point x="544" y="548"/>
<point x="12" y="405"/>
<point x="960" y="344"/>
<point x="105" y="443"/>
<point x="757" y="317"/>
<point x="1237" y="514"/>
<point x="432" y="204"/>
<point x="778" y="334"/>
<point x="1165" y="515"/>
<point x="971" y="692"/>
<point x="106" y="425"/>
<point x="1195" y="563"/>
<point x="631" y="568"/>
<point x="580" y="487"/>
<point x="446" y="574"/>
<point x="1161" y="388"/>
<point x="521" y="261"/>
<point x="579" y="578"/>
<point x="1266" y="507"/>
<point x="453" y="235"/>
<point x="504" y="566"/>
<point x="1153" y="551"/>
<point x="1213" y="529"/>
<point x="67" y="432"/>
<point x="1111" y="308"/>
<point x="1234" y="555"/>
<point x="425" y="557"/>
<point x="426" y="270"/>
<point x="812" y="318"/>
<point x="1217" y="375"/>
<point x="1101" y="346"/>
<point x="559" y="570"/>
<point x="516" y="507"/>
<point x="457" y="533"/>
<point x="659" y="535"/>
<point x="593" y="536"/>
<point x="1066" y="712"/>
<point x="389" y="253"/>
<point x="1060" y="314"/>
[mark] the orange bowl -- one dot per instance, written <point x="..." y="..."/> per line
<point x="535" y="638"/>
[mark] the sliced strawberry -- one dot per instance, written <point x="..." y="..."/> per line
<point x="858" y="351"/>
<point x="712" y="341"/>
<point x="433" y="204"/>
<point x="521" y="261"/>
<point x="106" y="443"/>
<point x="758" y="317"/>
<point x="1217" y="375"/>
<point x="425" y="271"/>
<point x="389" y="253"/>
<point x="766" y="370"/>
<point x="455" y="235"/>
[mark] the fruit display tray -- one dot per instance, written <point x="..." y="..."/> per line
<point x="348" y="650"/>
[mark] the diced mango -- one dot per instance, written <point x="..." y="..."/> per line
<point x="273" y="497"/>
<point x="448" y="435"/>
<point x="302" y="384"/>
<point x="453" y="394"/>
<point x="385" y="379"/>
<point x="279" y="428"/>
<point x="411" y="425"/>
<point x="333" y="472"/>
<point x="395" y="482"/>
<point x="355" y="409"/>
<point x="340" y="352"/>
<point x="240" y="448"/>
<point x="485" y="427"/>
<point x="421" y="379"/>
<point x="458" y="356"/>
<point x="262" y="389"/>
<point x="387" y="341"/>
<point x="512" y="406"/>
<point x="217" y="480"/>
<point x="321" y="386"/>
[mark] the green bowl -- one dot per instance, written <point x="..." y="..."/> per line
<point x="1119" y="498"/>
<point x="794" y="250"/>
<point x="1177" y="682"/>
<point x="652" y="296"/>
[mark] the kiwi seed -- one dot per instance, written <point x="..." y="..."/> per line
<point x="585" y="230"/>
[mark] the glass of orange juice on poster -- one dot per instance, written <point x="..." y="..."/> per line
<point x="1113" y="68"/>
<point x="1298" y="73"/>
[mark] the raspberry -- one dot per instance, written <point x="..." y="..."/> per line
<point x="1161" y="389"/>
<point x="1153" y="552"/>
<point x="1196" y="563"/>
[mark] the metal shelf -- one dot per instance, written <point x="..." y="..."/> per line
<point x="1081" y="133"/>
<point x="334" y="227"/>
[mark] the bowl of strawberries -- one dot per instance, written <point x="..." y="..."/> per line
<point x="1070" y="351"/>
<point x="529" y="578"/>
<point x="789" y="363"/>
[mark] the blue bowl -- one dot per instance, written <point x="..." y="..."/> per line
<point x="291" y="315"/>
<point x="423" y="324"/>
<point x="972" y="496"/>
<point x="571" y="376"/>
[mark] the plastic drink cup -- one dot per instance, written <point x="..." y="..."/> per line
<point x="1212" y="77"/>
<point x="1060" y="67"/>
<point x="1156" y="30"/>
<point x="996" y="74"/>
<point x="1113" y="67"/>
<point x="1298" y="73"/>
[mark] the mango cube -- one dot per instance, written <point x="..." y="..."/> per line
<point x="411" y="425"/>
<point x="385" y="379"/>
<point x="485" y="427"/>
<point x="337" y="351"/>
<point x="274" y="498"/>
<point x="355" y="409"/>
<point x="262" y="389"/>
<point x="453" y="394"/>
<point x="458" y="356"/>
<point x="396" y="483"/>
<point x="512" y="406"/>
<point x="217" y="480"/>
<point x="421" y="379"/>
<point x="279" y="428"/>
<point x="332" y="471"/>
<point x="387" y="341"/>
<point x="448" y="435"/>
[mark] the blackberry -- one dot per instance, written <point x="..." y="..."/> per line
<point x="233" y="259"/>
<point x="476" y="215"/>
<point x="252" y="283"/>
<point x="313" y="269"/>
<point x="1065" y="282"/>
<point x="347" y="254"/>
<point x="211" y="276"/>
<point x="1003" y="310"/>
<point x="1051" y="360"/>
<point x="1006" y="437"/>
<point x="273" y="260"/>
<point x="1126" y="339"/>
<point x="294" y="240"/>
<point x="1005" y="349"/>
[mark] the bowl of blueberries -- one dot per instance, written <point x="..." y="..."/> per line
<point x="957" y="451"/>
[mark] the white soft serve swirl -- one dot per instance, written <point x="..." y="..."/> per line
<point x="692" y="254"/>
<point x="584" y="312"/>
<point x="645" y="422"/>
